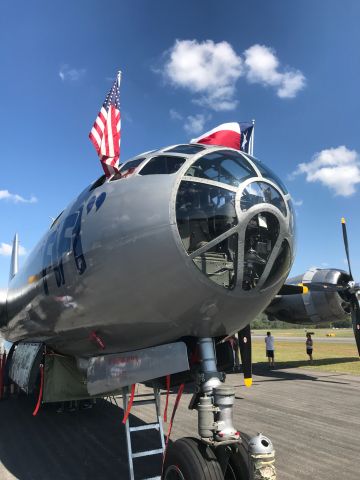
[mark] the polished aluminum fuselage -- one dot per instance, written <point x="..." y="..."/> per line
<point x="114" y="264"/>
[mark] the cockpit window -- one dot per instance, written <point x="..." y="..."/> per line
<point x="222" y="166"/>
<point x="281" y="265"/>
<point x="219" y="263"/>
<point x="268" y="173"/>
<point x="203" y="212"/>
<point x="187" y="149"/>
<point x="260" y="237"/>
<point x="242" y="253"/>
<point x="162" y="165"/>
<point x="98" y="183"/>
<point x="261" y="192"/>
<point x="131" y="165"/>
<point x="126" y="169"/>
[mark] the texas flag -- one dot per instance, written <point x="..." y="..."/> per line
<point x="228" y="135"/>
<point x="247" y="130"/>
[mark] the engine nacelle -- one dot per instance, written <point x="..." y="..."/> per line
<point x="315" y="306"/>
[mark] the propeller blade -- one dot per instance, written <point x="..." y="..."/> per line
<point x="355" y="316"/>
<point x="245" y="353"/>
<point x="326" y="287"/>
<point x="346" y="243"/>
<point x="303" y="288"/>
<point x="288" y="289"/>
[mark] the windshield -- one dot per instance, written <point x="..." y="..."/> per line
<point x="222" y="166"/>
<point x="261" y="192"/>
<point x="161" y="165"/>
<point x="131" y="165"/>
<point x="266" y="172"/>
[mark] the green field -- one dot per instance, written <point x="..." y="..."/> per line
<point x="329" y="357"/>
<point x="300" y="332"/>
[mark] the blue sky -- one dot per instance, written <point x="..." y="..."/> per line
<point x="187" y="67"/>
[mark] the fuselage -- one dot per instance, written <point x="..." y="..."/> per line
<point x="188" y="241"/>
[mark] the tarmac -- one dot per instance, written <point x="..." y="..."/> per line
<point x="312" y="419"/>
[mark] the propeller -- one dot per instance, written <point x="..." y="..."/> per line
<point x="354" y="288"/>
<point x="350" y="289"/>
<point x="245" y="353"/>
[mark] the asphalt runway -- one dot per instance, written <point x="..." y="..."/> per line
<point x="312" y="419"/>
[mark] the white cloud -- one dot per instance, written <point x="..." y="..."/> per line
<point x="6" y="249"/>
<point x="14" y="197"/>
<point x="195" y="123"/>
<point x="297" y="203"/>
<point x="69" y="74"/>
<point x="208" y="69"/>
<point x="174" y="115"/>
<point x="336" y="168"/>
<point x="263" y="67"/>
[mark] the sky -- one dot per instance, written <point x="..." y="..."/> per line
<point x="186" y="67"/>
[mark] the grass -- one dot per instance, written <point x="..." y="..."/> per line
<point x="300" y="332"/>
<point x="328" y="357"/>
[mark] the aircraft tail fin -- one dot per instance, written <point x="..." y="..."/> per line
<point x="14" y="257"/>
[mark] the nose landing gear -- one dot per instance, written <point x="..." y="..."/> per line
<point x="221" y="453"/>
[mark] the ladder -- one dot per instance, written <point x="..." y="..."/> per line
<point x="155" y="400"/>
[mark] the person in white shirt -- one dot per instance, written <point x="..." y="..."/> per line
<point x="269" y="342"/>
<point x="309" y="346"/>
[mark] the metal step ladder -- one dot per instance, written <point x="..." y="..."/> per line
<point x="155" y="400"/>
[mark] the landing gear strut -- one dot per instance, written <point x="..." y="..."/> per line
<point x="221" y="453"/>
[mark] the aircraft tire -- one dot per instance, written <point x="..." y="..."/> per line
<point x="237" y="468"/>
<point x="190" y="459"/>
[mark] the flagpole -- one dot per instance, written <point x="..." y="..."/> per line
<point x="119" y="74"/>
<point x="252" y="139"/>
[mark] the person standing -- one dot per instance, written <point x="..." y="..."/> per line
<point x="269" y="342"/>
<point x="309" y="346"/>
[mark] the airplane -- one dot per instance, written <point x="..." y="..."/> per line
<point x="143" y="276"/>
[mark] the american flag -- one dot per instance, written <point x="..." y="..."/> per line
<point x="105" y="134"/>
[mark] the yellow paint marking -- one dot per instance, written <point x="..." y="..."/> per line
<point x="304" y="287"/>
<point x="248" y="382"/>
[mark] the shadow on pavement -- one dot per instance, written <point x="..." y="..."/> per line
<point x="278" y="372"/>
<point x="306" y="363"/>
<point x="81" y="445"/>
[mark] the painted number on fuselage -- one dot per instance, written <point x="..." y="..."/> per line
<point x="67" y="239"/>
<point x="58" y="244"/>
